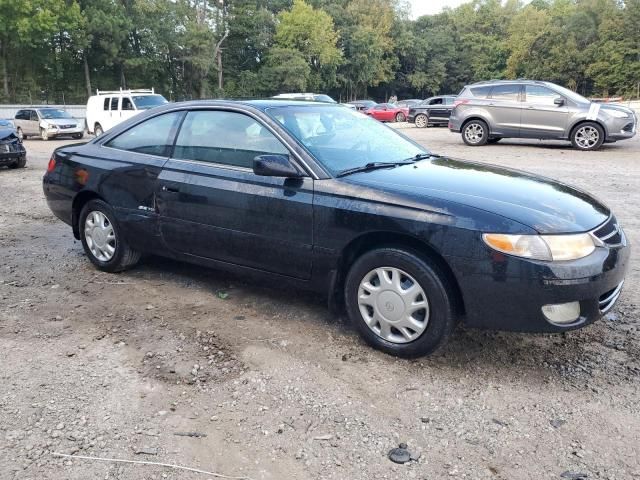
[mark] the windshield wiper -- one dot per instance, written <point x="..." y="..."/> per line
<point x="422" y="156"/>
<point x="372" y="166"/>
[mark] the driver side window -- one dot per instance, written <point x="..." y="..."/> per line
<point x="227" y="138"/>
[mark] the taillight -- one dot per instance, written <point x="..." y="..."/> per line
<point x="459" y="102"/>
<point x="51" y="165"/>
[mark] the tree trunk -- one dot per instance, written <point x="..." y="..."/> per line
<point x="5" y="74"/>
<point x="219" y="70"/>
<point x="217" y="54"/>
<point x="87" y="76"/>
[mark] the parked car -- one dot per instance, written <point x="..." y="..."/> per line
<point x="321" y="197"/>
<point x="407" y="103"/>
<point x="12" y="151"/>
<point x="47" y="122"/>
<point x="432" y="111"/>
<point x="362" y="105"/>
<point x="308" y="97"/>
<point x="485" y="112"/>
<point x="388" y="112"/>
<point x="106" y="109"/>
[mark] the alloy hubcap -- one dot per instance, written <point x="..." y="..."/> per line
<point x="393" y="305"/>
<point x="587" y="137"/>
<point x="474" y="132"/>
<point x="421" y="121"/>
<point x="100" y="236"/>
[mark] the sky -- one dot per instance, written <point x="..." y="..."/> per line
<point x="429" y="7"/>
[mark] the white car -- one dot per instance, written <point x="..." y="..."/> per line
<point x="107" y="109"/>
<point x="47" y="122"/>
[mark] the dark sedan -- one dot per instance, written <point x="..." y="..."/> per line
<point x="433" y="111"/>
<point x="12" y="151"/>
<point x="322" y="197"/>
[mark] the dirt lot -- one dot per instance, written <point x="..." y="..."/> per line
<point x="116" y="365"/>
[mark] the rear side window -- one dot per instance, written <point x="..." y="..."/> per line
<point x="227" y="138"/>
<point x="22" y="115"/>
<point x="449" y="100"/>
<point x="114" y="103"/>
<point x="505" y="92"/>
<point x="152" y="137"/>
<point x="107" y="101"/>
<point x="127" y="104"/>
<point x="481" y="92"/>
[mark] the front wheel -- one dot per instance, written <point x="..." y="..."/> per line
<point x="77" y="136"/>
<point x="399" y="302"/>
<point x="422" y="121"/>
<point x="44" y="135"/>
<point x="400" y="117"/>
<point x="587" y="136"/>
<point x="102" y="238"/>
<point x="475" y="133"/>
<point x="98" y="130"/>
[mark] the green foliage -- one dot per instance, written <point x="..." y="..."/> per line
<point x="55" y="50"/>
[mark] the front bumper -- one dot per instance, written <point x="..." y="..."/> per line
<point x="61" y="132"/>
<point x="9" y="158"/>
<point x="622" y="128"/>
<point x="508" y="293"/>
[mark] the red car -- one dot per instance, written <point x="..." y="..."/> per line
<point x="388" y="112"/>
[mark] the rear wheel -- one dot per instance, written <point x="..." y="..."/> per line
<point x="475" y="133"/>
<point x="399" y="302"/>
<point x="422" y="121"/>
<point x="102" y="239"/>
<point x="400" y="117"/>
<point x="98" y="130"/>
<point x="44" y="135"/>
<point x="587" y="136"/>
<point x="21" y="163"/>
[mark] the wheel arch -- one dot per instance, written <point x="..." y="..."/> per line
<point x="475" y="117"/>
<point x="582" y="121"/>
<point x="372" y="240"/>
<point x="80" y="201"/>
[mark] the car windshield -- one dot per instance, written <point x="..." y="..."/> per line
<point x="576" y="97"/>
<point x="52" y="113"/>
<point x="145" y="102"/>
<point x="343" y="139"/>
<point x="324" y="98"/>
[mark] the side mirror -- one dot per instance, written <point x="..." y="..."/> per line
<point x="559" y="101"/>
<point x="275" y="166"/>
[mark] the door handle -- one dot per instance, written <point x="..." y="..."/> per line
<point x="170" y="189"/>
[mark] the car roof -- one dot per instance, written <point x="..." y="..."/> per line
<point x="499" y="82"/>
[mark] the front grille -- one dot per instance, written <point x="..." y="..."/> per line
<point x="608" y="299"/>
<point x="67" y="126"/>
<point x="610" y="233"/>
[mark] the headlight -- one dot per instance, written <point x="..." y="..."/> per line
<point x="542" y="247"/>
<point x="618" y="113"/>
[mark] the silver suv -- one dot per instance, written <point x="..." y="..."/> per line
<point x="485" y="112"/>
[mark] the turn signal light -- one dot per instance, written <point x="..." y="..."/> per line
<point x="51" y="165"/>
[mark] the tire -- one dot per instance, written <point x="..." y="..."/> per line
<point x="44" y="135"/>
<point x="400" y="117"/>
<point x="21" y="163"/>
<point x="587" y="136"/>
<point x="491" y="141"/>
<point x="421" y="120"/>
<point x="122" y="257"/>
<point x="77" y="136"/>
<point x="475" y="133"/>
<point x="435" y="323"/>
<point x="20" y="134"/>
<point x="98" y="130"/>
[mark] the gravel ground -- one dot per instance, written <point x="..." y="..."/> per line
<point x="178" y="364"/>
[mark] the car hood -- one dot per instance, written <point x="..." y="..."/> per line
<point x="60" y="121"/>
<point x="8" y="134"/>
<point x="538" y="202"/>
<point x="615" y="106"/>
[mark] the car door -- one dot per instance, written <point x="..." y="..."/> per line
<point x="505" y="109"/>
<point x="20" y="119"/>
<point x="541" y="116"/>
<point x="114" y="112"/>
<point x="448" y="107"/>
<point x="212" y="205"/>
<point x="127" y="109"/>
<point x="33" y="124"/>
<point x="437" y="110"/>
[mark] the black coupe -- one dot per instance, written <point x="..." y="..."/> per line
<point x="320" y="196"/>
